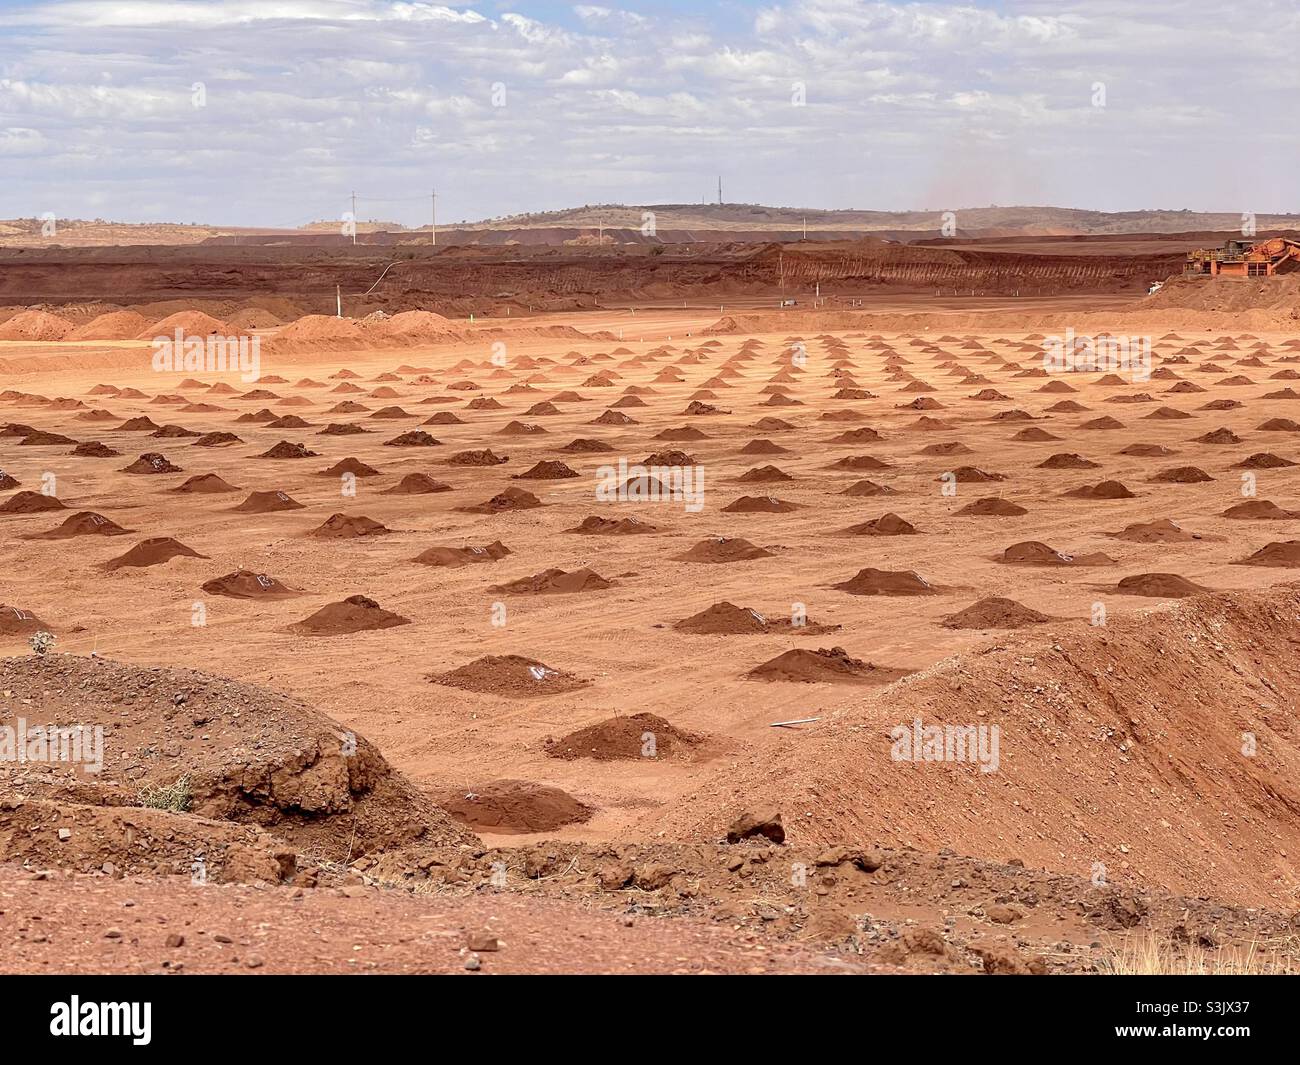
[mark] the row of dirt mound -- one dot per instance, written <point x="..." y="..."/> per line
<point x="38" y="325"/>
<point x="1161" y="746"/>
<point x="314" y="332"/>
<point x="1183" y="303"/>
<point x="248" y="773"/>
<point x="295" y="334"/>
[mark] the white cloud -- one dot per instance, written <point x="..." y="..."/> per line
<point x="306" y="99"/>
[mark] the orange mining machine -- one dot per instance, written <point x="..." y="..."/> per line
<point x="1240" y="258"/>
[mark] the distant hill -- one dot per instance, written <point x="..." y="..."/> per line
<point x="971" y="221"/>
<point x="726" y="221"/>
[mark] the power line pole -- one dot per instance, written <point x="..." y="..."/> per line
<point x="433" y="216"/>
<point x="354" y="216"/>
<point x="719" y="190"/>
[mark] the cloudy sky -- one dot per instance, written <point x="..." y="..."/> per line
<point x="269" y="112"/>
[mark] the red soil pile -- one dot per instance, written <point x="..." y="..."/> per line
<point x="83" y="523"/>
<point x="512" y="676"/>
<point x="348" y="527"/>
<point x="1159" y="586"/>
<point x="15" y="621"/>
<point x="115" y="325"/>
<point x="555" y="582"/>
<point x="514" y="807"/>
<point x="245" y="584"/>
<point x="30" y="503"/>
<point x="152" y="552"/>
<point x="597" y="526"/>
<point x="727" y="619"/>
<point x="871" y="581"/>
<point x="38" y="326"/>
<point x="995" y="612"/>
<point x="723" y="549"/>
<point x="357" y="613"/>
<point x="824" y="666"/>
<point x="462" y="556"/>
<point x="205" y="484"/>
<point x="417" y="484"/>
<point x="1282" y="553"/>
<point x="268" y="503"/>
<point x="886" y="525"/>
<point x="510" y="499"/>
<point x="630" y="738"/>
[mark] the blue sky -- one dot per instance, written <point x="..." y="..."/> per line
<point x="269" y="112"/>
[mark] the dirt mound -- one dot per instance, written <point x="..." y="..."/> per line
<point x="993" y="506"/>
<point x="1034" y="553"/>
<point x="889" y="524"/>
<point x="555" y="582"/>
<point x="514" y="807"/>
<point x="582" y="444"/>
<point x="417" y="484"/>
<point x="115" y="325"/>
<point x="760" y="505"/>
<point x="628" y="738"/>
<point x="594" y="525"/>
<point x="1182" y="475"/>
<point x="995" y="612"/>
<point x="317" y="332"/>
<point x="1281" y="553"/>
<point x="190" y="323"/>
<point x="30" y="503"/>
<point x="1263" y="460"/>
<point x="205" y="484"/>
<point x="484" y="457"/>
<point x="1260" y="510"/>
<point x="287" y="450"/>
<point x="1068" y="461"/>
<point x="39" y="326"/>
<point x="824" y="666"/>
<point x="152" y="462"/>
<point x="510" y="499"/>
<point x="974" y="475"/>
<point x="763" y="475"/>
<point x="15" y="621"/>
<point x="547" y="470"/>
<point x="245" y="584"/>
<point x="350" y="465"/>
<point x="722" y="549"/>
<point x="1159" y="586"/>
<point x="244" y="754"/>
<point x="462" y="556"/>
<point x="83" y="523"/>
<point x="268" y="503"/>
<point x="871" y="581"/>
<point x="727" y="619"/>
<point x="868" y="488"/>
<point x="348" y="527"/>
<point x="91" y="449"/>
<point x="510" y="675"/>
<point x="1160" y="531"/>
<point x="152" y="552"/>
<point x="217" y="439"/>
<point x="1102" y="490"/>
<point x="354" y="614"/>
<point x="858" y="462"/>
